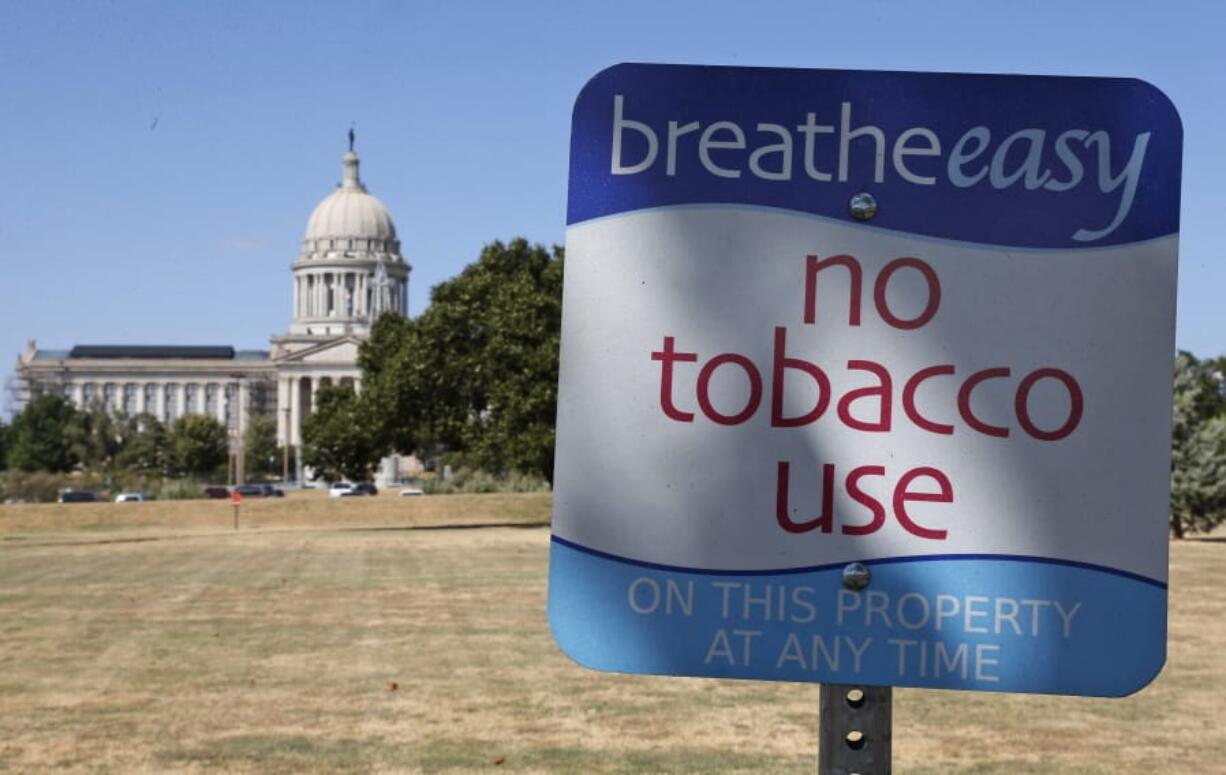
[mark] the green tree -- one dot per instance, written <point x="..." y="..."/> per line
<point x="197" y="445"/>
<point x="339" y="440"/>
<point x="477" y="372"/>
<point x="97" y="438"/>
<point x="42" y="435"/>
<point x="144" y="445"/>
<point x="6" y="441"/>
<point x="1198" y="447"/>
<point x="261" y="454"/>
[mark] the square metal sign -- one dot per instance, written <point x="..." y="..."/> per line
<point x="922" y="322"/>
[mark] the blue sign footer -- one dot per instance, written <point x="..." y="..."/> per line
<point x="957" y="622"/>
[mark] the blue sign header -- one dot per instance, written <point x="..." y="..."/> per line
<point x="1025" y="161"/>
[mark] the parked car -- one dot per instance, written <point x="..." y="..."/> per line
<point x="251" y="491"/>
<point x="77" y="496"/>
<point x="271" y="491"/>
<point x="131" y="497"/>
<point x="411" y="491"/>
<point x="365" y="488"/>
<point x="216" y="492"/>
<point x="339" y="489"/>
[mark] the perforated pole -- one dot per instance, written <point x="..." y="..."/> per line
<point x="854" y="730"/>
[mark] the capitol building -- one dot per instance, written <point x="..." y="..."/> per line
<point x="348" y="271"/>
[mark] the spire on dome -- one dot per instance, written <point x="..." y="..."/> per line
<point x="349" y="176"/>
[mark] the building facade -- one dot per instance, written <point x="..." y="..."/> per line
<point x="348" y="272"/>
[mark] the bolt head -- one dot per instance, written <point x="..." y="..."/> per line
<point x="856" y="575"/>
<point x="863" y="206"/>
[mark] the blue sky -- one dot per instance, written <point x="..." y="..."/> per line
<point x="159" y="160"/>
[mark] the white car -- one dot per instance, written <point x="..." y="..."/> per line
<point x="131" y="497"/>
<point x="340" y="488"/>
<point x="411" y="491"/>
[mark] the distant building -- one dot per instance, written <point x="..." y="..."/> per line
<point x="348" y="272"/>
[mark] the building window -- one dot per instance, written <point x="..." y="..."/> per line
<point x="170" y="402"/>
<point x="130" y="392"/>
<point x="108" y="396"/>
<point x="89" y="394"/>
<point x="191" y="398"/>
<point x="211" y="398"/>
<point x="151" y="399"/>
<point x="231" y="415"/>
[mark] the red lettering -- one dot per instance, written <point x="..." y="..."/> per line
<point x="704" y="383"/>
<point x="934" y="293"/>
<point x="964" y="401"/>
<point x="824" y="521"/>
<point x="668" y="357"/>
<point x="864" y="499"/>
<point x="1021" y="404"/>
<point x="781" y="363"/>
<point x="908" y="399"/>
<point x="813" y="266"/>
<point x="883" y="391"/>
<point x="902" y="495"/>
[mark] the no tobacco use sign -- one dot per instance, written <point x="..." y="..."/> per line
<point x="969" y="392"/>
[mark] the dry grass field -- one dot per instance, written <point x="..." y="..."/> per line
<point x="358" y="635"/>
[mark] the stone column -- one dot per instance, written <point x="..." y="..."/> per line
<point x="78" y="394"/>
<point x="241" y="418"/>
<point x="221" y="404"/>
<point x="160" y="403"/>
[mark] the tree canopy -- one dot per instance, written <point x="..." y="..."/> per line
<point x="144" y="445"/>
<point x="262" y="455"/>
<point x="41" y="435"/>
<point x="197" y="445"/>
<point x="476" y="374"/>
<point x="1198" y="447"/>
<point x="339" y="439"/>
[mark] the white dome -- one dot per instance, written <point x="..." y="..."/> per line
<point x="349" y="212"/>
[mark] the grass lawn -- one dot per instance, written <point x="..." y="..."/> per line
<point x="357" y="635"/>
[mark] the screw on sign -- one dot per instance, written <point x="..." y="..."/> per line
<point x="887" y="358"/>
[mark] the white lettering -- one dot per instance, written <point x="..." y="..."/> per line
<point x="901" y="149"/>
<point x="981" y="661"/>
<point x="620" y="123"/>
<point x="959" y="157"/>
<point x="847" y="134"/>
<point x="1067" y="616"/>
<point x="1029" y="168"/>
<point x="784" y="147"/>
<point x="1107" y="183"/>
<point x="675" y="131"/>
<point x="708" y="142"/>
<point x="810" y="129"/>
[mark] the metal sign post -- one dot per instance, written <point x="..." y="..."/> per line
<point x="237" y="500"/>
<point x="855" y="723"/>
<point x="855" y="727"/>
